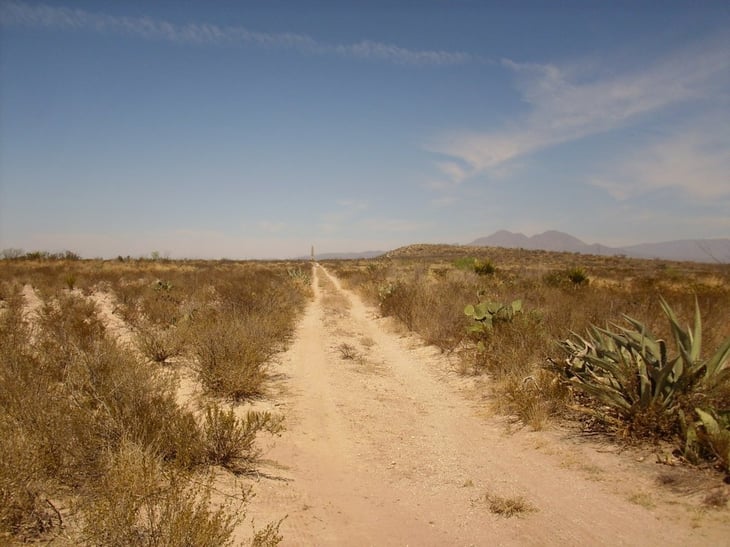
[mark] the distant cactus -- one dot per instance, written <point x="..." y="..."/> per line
<point x="487" y="314"/>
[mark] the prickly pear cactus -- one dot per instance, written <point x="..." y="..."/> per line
<point x="486" y="314"/>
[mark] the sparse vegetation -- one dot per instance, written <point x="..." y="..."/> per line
<point x="96" y="447"/>
<point x="426" y="288"/>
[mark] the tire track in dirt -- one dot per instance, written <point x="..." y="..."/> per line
<point x="382" y="449"/>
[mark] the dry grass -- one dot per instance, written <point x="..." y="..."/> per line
<point x="508" y="506"/>
<point x="88" y="426"/>
<point x="426" y="288"/>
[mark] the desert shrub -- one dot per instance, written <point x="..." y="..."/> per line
<point x="72" y="402"/>
<point x="159" y="343"/>
<point x="268" y="536"/>
<point x="427" y="307"/>
<point x="398" y="299"/>
<point x="571" y="277"/>
<point x="160" y="303"/>
<point x="24" y="511"/>
<point x="68" y="323"/>
<point x="139" y="502"/>
<point x="484" y="267"/>
<point x="476" y="265"/>
<point x="229" y="440"/>
<point x="232" y="354"/>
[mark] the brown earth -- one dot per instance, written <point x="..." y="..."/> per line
<point x="387" y="445"/>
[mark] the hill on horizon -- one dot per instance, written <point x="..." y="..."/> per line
<point x="696" y="250"/>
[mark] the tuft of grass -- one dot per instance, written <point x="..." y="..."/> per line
<point x="533" y="399"/>
<point x="642" y="498"/>
<point x="508" y="506"/>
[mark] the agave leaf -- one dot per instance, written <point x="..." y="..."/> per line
<point x="708" y="421"/>
<point x="696" y="338"/>
<point x="643" y="341"/>
<point x="645" y="391"/>
<point x="683" y="338"/>
<point x="718" y="363"/>
<point x="664" y="379"/>
<point x="639" y="326"/>
<point x="605" y="394"/>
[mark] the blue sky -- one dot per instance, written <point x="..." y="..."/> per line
<point x="255" y="129"/>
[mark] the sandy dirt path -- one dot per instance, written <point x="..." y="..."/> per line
<point x="386" y="448"/>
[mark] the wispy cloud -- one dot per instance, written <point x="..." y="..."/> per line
<point x="72" y="19"/>
<point x="693" y="161"/>
<point x="567" y="104"/>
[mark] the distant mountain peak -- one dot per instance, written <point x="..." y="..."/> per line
<point x="697" y="250"/>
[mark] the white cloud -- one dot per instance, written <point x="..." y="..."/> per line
<point x="567" y="104"/>
<point x="454" y="171"/>
<point x="398" y="55"/>
<point x="43" y="16"/>
<point x="695" y="162"/>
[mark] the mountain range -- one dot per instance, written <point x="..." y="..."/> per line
<point x="696" y="250"/>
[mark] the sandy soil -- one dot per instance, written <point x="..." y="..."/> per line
<point x="386" y="445"/>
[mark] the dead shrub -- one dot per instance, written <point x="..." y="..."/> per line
<point x="230" y="441"/>
<point x="347" y="351"/>
<point x="139" y="502"/>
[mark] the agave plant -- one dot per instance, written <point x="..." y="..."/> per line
<point x="628" y="368"/>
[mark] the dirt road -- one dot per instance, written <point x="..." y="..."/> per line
<point x="386" y="446"/>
